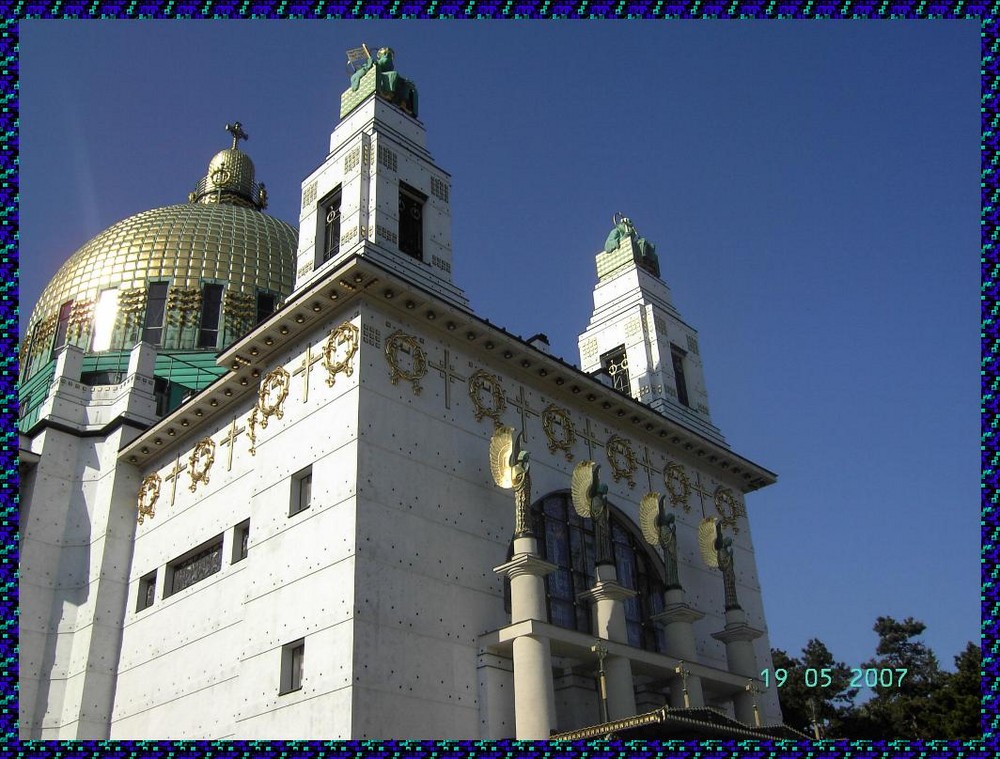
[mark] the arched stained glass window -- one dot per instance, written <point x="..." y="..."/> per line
<point x="567" y="540"/>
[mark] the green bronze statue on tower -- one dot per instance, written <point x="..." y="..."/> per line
<point x="384" y="80"/>
<point x="624" y="229"/>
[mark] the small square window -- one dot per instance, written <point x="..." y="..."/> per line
<point x="241" y="541"/>
<point x="292" y="659"/>
<point x="301" y="492"/>
<point x="147" y="591"/>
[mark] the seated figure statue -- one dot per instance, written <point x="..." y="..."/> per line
<point x="647" y="251"/>
<point x="389" y="84"/>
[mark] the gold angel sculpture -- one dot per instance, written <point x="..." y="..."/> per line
<point x="659" y="528"/>
<point x="717" y="552"/>
<point x="590" y="499"/>
<point x="509" y="464"/>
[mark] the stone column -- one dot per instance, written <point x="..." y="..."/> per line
<point x="738" y="637"/>
<point x="678" y="619"/>
<point x="534" y="696"/>
<point x="607" y="596"/>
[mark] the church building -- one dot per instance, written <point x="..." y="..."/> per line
<point x="287" y="484"/>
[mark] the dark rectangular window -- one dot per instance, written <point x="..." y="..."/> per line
<point x="265" y="305"/>
<point x="330" y="219"/>
<point x="203" y="562"/>
<point x="241" y="541"/>
<point x="293" y="657"/>
<point x="411" y="221"/>
<point x="147" y="591"/>
<point x="156" y="306"/>
<point x="62" y="327"/>
<point x="615" y="363"/>
<point x="211" y="310"/>
<point x="301" y="492"/>
<point x="678" y="358"/>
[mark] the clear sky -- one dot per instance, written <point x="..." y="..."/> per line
<point x="812" y="189"/>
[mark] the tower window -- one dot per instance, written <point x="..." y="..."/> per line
<point x="211" y="310"/>
<point x="62" y="326"/>
<point x="331" y="218"/>
<point x="265" y="305"/>
<point x="147" y="591"/>
<point x="293" y="656"/>
<point x="104" y="320"/>
<point x="678" y="358"/>
<point x="301" y="492"/>
<point x="411" y="221"/>
<point x="615" y="363"/>
<point x="156" y="305"/>
<point x="241" y="542"/>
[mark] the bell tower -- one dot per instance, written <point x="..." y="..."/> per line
<point x="379" y="194"/>
<point x="636" y="340"/>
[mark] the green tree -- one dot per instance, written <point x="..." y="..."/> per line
<point x="911" y="707"/>
<point x="817" y="691"/>
<point x="961" y="696"/>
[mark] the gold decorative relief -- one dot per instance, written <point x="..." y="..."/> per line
<point x="252" y="430"/>
<point x="202" y="458"/>
<point x="622" y="459"/>
<point x="407" y="360"/>
<point x="559" y="430"/>
<point x="149" y="492"/>
<point x="483" y="383"/>
<point x="338" y="354"/>
<point x="729" y="508"/>
<point x="678" y="485"/>
<point x="272" y="394"/>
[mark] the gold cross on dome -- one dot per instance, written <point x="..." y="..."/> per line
<point x="236" y="130"/>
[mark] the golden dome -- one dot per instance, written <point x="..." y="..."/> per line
<point x="156" y="266"/>
<point x="183" y="245"/>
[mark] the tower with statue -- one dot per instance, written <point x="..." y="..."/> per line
<point x="386" y="517"/>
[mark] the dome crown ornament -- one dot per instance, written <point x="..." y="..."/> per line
<point x="230" y="177"/>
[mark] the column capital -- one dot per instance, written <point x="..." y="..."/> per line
<point x="678" y="612"/>
<point x="606" y="590"/>
<point x="526" y="564"/>
<point x="737" y="632"/>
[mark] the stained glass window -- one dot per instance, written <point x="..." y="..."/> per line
<point x="567" y="540"/>
<point x="156" y="303"/>
<point x="211" y="310"/>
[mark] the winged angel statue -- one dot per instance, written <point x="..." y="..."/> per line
<point x="509" y="464"/>
<point x="717" y="552"/>
<point x="590" y="499"/>
<point x="659" y="528"/>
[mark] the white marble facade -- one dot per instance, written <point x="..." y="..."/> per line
<point x="382" y="389"/>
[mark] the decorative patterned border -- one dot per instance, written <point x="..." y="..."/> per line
<point x="506" y="749"/>
<point x="393" y="344"/>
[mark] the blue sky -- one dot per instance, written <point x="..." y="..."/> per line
<point x="812" y="189"/>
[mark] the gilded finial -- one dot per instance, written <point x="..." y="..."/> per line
<point x="236" y="130"/>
